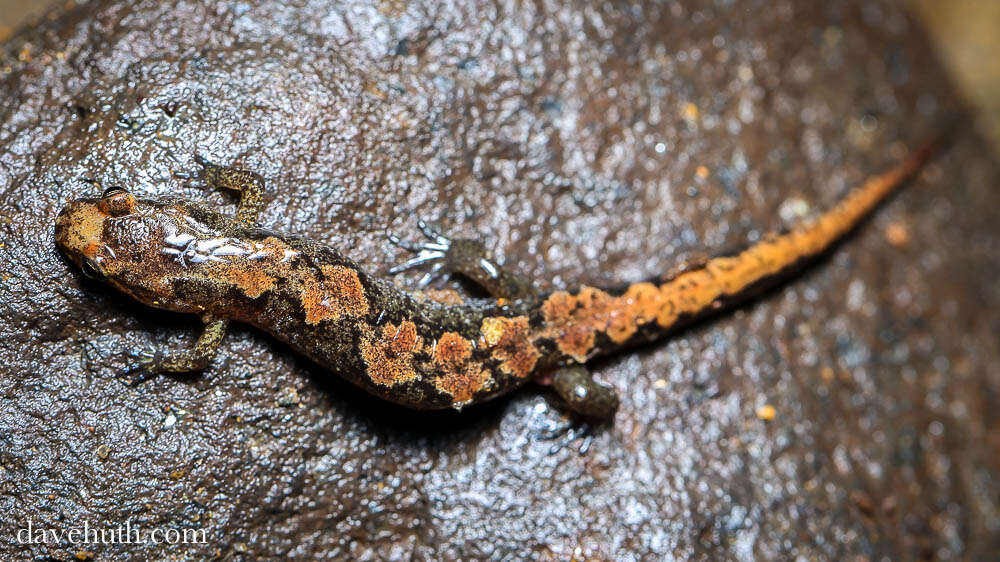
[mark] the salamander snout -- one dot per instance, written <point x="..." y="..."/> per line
<point x="80" y="228"/>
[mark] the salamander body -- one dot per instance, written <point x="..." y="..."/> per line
<point x="423" y="349"/>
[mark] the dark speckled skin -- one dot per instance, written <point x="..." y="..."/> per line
<point x="416" y="349"/>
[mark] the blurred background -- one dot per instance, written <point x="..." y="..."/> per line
<point x="966" y="34"/>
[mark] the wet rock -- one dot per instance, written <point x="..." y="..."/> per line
<point x="585" y="143"/>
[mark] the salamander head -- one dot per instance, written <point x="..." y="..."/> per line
<point x="119" y="239"/>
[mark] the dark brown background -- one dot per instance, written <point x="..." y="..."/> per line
<point x="594" y="143"/>
<point x="963" y="32"/>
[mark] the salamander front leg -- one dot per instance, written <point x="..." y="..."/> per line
<point x="195" y="359"/>
<point x="465" y="256"/>
<point x="249" y="185"/>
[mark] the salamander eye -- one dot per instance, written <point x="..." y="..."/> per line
<point x="117" y="202"/>
<point x="92" y="270"/>
<point x="112" y="191"/>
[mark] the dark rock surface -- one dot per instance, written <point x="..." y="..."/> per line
<point x="586" y="144"/>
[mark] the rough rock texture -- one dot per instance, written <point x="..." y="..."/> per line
<point x="592" y="143"/>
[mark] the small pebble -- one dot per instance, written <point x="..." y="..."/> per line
<point x="766" y="412"/>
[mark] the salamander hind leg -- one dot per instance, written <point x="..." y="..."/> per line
<point x="583" y="395"/>
<point x="465" y="256"/>
<point x="197" y="358"/>
<point x="590" y="403"/>
<point x="248" y="184"/>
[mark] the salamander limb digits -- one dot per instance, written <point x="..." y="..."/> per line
<point x="423" y="349"/>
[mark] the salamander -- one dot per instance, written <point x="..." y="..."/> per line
<point x="422" y="349"/>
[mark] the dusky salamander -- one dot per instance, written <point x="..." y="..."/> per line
<point x="426" y="350"/>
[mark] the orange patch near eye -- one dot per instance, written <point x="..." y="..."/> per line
<point x="91" y="250"/>
<point x="510" y="342"/>
<point x="388" y="353"/>
<point x="338" y="293"/>
<point x="79" y="229"/>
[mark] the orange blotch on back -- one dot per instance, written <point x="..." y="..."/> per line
<point x="338" y="293"/>
<point x="461" y="377"/>
<point x="463" y="382"/>
<point x="388" y="353"/>
<point x="572" y="327"/>
<point x="452" y="349"/>
<point x="405" y="339"/>
<point x="443" y="296"/>
<point x="575" y="320"/>
<point x="640" y="305"/>
<point x="253" y="280"/>
<point x="511" y="344"/>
